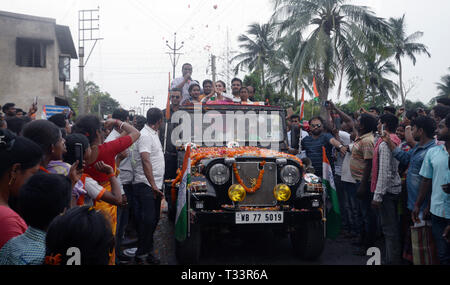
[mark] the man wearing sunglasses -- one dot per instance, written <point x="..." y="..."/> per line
<point x="171" y="151"/>
<point x="435" y="176"/>
<point x="313" y="144"/>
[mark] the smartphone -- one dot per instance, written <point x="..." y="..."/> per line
<point x="382" y="130"/>
<point x="35" y="101"/>
<point x="79" y="155"/>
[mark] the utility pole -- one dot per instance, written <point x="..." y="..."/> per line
<point x="228" y="57"/>
<point x="174" y="53"/>
<point x="86" y="21"/>
<point x="213" y="67"/>
<point x="147" y="101"/>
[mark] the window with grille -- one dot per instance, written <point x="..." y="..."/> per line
<point x="31" y="53"/>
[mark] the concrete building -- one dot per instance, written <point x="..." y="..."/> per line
<point x="35" y="56"/>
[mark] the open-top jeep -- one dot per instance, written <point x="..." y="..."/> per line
<point x="242" y="179"/>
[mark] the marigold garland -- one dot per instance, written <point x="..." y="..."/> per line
<point x="258" y="182"/>
<point x="53" y="260"/>
<point x="199" y="154"/>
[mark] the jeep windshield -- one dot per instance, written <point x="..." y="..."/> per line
<point x="210" y="126"/>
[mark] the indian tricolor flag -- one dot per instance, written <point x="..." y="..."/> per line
<point x="316" y="91"/>
<point x="181" y="218"/>
<point x="333" y="212"/>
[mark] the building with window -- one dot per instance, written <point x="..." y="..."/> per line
<point x="35" y="56"/>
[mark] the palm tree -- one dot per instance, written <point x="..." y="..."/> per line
<point x="444" y="87"/>
<point x="405" y="46"/>
<point x="335" y="28"/>
<point x="282" y="63"/>
<point x="258" y="45"/>
<point x="370" y="80"/>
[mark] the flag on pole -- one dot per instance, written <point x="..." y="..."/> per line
<point x="302" y="108"/>
<point x="181" y="218"/>
<point x="333" y="212"/>
<point x="168" y="103"/>
<point x="316" y="92"/>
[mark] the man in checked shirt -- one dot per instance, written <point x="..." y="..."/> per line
<point x="387" y="186"/>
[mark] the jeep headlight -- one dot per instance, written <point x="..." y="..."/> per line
<point x="237" y="193"/>
<point x="290" y="175"/>
<point x="219" y="174"/>
<point x="282" y="193"/>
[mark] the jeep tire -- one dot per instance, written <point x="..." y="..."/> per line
<point x="188" y="252"/>
<point x="308" y="240"/>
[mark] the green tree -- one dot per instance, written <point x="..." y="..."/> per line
<point x="94" y="98"/>
<point x="281" y="66"/>
<point x="369" y="79"/>
<point x="443" y="87"/>
<point x="336" y="27"/>
<point x="258" y="46"/>
<point x="404" y="45"/>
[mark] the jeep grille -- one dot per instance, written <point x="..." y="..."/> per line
<point x="249" y="171"/>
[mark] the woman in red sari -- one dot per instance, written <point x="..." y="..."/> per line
<point x="91" y="127"/>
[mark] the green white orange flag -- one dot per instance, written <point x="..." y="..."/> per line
<point x="316" y="92"/>
<point x="181" y="218"/>
<point x="333" y="212"/>
<point x="302" y="108"/>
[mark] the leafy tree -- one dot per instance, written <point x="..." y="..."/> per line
<point x="258" y="45"/>
<point x="94" y="98"/>
<point x="443" y="88"/>
<point x="369" y="79"/>
<point x="404" y="45"/>
<point x="337" y="28"/>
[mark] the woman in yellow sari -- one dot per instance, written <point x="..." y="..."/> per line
<point x="91" y="127"/>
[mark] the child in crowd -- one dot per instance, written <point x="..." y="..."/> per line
<point x="84" y="229"/>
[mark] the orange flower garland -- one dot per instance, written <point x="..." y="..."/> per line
<point x="258" y="182"/>
<point x="199" y="154"/>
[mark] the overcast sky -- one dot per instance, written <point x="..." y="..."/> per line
<point x="132" y="62"/>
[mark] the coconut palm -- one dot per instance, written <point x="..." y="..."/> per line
<point x="404" y="45"/>
<point x="444" y="86"/>
<point x="258" y="45"/>
<point x="370" y="80"/>
<point x="281" y="66"/>
<point x="333" y="26"/>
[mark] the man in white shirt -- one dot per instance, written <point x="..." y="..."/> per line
<point x="147" y="185"/>
<point x="184" y="82"/>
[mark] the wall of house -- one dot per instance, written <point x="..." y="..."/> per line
<point x="18" y="84"/>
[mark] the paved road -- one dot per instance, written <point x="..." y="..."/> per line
<point x="264" y="249"/>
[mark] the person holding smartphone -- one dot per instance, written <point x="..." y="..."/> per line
<point x="78" y="149"/>
<point x="91" y="127"/>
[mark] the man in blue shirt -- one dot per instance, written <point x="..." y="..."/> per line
<point x="423" y="129"/>
<point x="313" y="144"/>
<point x="436" y="174"/>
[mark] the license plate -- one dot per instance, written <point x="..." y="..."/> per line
<point x="259" y="218"/>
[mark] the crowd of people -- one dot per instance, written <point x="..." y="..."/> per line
<point x="80" y="184"/>
<point x="391" y="172"/>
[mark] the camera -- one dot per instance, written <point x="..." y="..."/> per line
<point x="326" y="103"/>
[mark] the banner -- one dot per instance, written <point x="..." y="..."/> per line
<point x="50" y="110"/>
